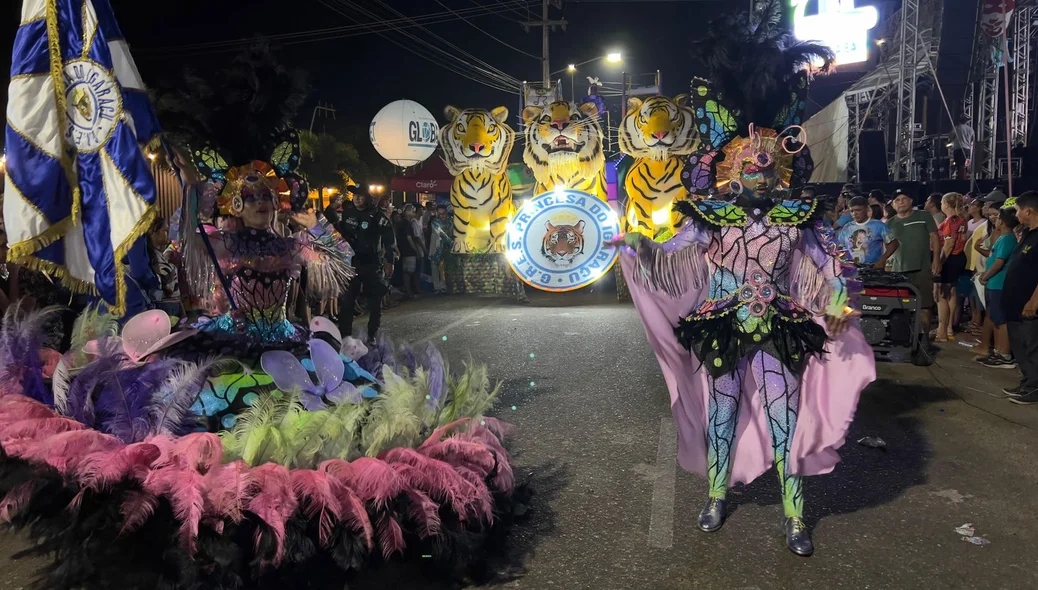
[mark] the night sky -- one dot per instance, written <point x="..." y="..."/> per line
<point x="357" y="75"/>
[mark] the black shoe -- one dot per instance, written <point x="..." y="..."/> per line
<point x="1028" y="398"/>
<point x="712" y="516"/>
<point x="1013" y="391"/>
<point x="999" y="361"/>
<point x="798" y="536"/>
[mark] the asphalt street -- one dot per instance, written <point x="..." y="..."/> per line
<point x="612" y="510"/>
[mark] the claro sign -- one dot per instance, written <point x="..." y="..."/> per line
<point x="412" y="185"/>
<point x="839" y="25"/>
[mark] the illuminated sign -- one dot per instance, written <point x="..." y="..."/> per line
<point x="838" y="25"/>
<point x="555" y="240"/>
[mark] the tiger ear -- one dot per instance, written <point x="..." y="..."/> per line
<point x="634" y="103"/>
<point x="548" y="226"/>
<point x="500" y="114"/>
<point x="580" y="226"/>
<point x="681" y="100"/>
<point x="451" y="112"/>
<point x="530" y="113"/>
<point x="589" y="109"/>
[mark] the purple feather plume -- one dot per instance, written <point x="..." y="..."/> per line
<point x="408" y="359"/>
<point x="123" y="407"/>
<point x="83" y="391"/>
<point x="432" y="362"/>
<point x="21" y="368"/>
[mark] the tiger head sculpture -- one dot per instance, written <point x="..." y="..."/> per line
<point x="476" y="139"/>
<point x="563" y="138"/>
<point x="658" y="128"/>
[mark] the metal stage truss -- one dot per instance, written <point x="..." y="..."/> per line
<point x="982" y="102"/>
<point x="885" y="98"/>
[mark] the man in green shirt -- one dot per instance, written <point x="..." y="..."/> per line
<point x="916" y="232"/>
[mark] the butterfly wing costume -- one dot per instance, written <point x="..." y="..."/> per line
<point x="733" y="304"/>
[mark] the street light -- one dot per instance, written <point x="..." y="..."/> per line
<point x="613" y="58"/>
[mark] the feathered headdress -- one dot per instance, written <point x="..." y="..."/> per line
<point x="750" y="109"/>
<point x="253" y="179"/>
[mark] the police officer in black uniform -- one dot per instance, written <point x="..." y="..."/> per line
<point x="371" y="236"/>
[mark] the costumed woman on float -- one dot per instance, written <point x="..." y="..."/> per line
<point x="745" y="283"/>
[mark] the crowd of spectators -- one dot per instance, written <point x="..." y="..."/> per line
<point x="970" y="257"/>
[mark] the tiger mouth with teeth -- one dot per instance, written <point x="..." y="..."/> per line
<point x="562" y="144"/>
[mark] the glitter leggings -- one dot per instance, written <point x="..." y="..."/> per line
<point x="779" y="389"/>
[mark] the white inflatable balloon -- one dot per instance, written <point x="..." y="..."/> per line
<point x="404" y="132"/>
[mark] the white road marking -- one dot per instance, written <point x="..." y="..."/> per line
<point x="661" y="523"/>
<point x="440" y="332"/>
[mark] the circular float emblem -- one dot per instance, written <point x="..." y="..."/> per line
<point x="93" y="104"/>
<point x="555" y="240"/>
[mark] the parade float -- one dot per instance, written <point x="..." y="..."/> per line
<point x="354" y="457"/>
<point x="233" y="448"/>
<point x="476" y="144"/>
<point x="657" y="133"/>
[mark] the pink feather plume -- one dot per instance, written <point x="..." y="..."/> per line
<point x="228" y="489"/>
<point x="102" y="469"/>
<point x="136" y="509"/>
<point x="14" y="501"/>
<point x="390" y="535"/>
<point x="184" y="487"/>
<point x="440" y="432"/>
<point x="314" y="489"/>
<point x="37" y="428"/>
<point x="274" y="503"/>
<point x="425" y="512"/>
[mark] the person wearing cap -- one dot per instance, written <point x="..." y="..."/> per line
<point x="916" y="232"/>
<point x="371" y="235"/>
<point x="1020" y="301"/>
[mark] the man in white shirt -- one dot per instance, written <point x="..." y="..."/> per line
<point x="962" y="147"/>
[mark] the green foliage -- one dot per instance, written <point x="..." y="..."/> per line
<point x="277" y="428"/>
<point x="327" y="161"/>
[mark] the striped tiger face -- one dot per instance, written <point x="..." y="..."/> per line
<point x="561" y="138"/>
<point x="563" y="243"/>
<point x="476" y="139"/>
<point x="658" y="128"/>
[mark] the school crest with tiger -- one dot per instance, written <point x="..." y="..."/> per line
<point x="564" y="147"/>
<point x="562" y="244"/>
<point x="657" y="132"/>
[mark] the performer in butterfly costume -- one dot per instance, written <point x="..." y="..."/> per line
<point x="746" y="281"/>
<point x="257" y="265"/>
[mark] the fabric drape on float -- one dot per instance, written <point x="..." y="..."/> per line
<point x="79" y="194"/>
<point x="827" y="140"/>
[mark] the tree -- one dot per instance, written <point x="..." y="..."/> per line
<point x="234" y="108"/>
<point x="328" y="162"/>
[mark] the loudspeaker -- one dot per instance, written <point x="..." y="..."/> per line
<point x="872" y="157"/>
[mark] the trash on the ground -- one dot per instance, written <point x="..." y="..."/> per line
<point x="968" y="533"/>
<point x="968" y="344"/>
<point x="966" y="530"/>
<point x="873" y="442"/>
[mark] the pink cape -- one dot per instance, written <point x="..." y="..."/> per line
<point x="830" y="388"/>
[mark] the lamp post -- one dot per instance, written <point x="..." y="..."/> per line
<point x="613" y="57"/>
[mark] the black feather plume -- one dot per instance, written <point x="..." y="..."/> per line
<point x="754" y="64"/>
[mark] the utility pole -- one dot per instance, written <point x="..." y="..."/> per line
<point x="545" y="23"/>
<point x="326" y="111"/>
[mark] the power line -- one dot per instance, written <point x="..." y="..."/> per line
<point x="468" y="55"/>
<point x="330" y="33"/>
<point x="461" y="71"/>
<point x="482" y="30"/>
<point x="467" y="61"/>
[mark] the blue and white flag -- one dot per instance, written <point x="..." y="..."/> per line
<point x="79" y="193"/>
